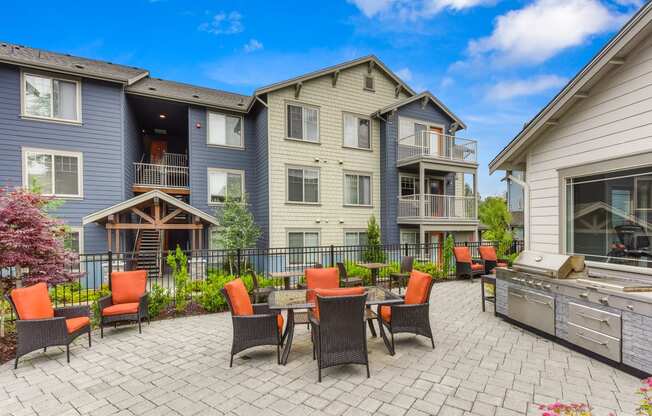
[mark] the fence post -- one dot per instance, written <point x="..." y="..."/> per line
<point x="332" y="256"/>
<point x="407" y="249"/>
<point x="239" y="256"/>
<point x="110" y="268"/>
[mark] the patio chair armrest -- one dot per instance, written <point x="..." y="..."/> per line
<point x="263" y="309"/>
<point x="404" y="314"/>
<point x="51" y="330"/>
<point x="253" y="324"/>
<point x="477" y="261"/>
<point x="104" y="302"/>
<point x="143" y="303"/>
<point x="72" y="311"/>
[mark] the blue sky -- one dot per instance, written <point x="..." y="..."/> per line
<point x="494" y="63"/>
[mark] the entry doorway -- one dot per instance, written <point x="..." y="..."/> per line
<point x="436" y="140"/>
<point x="435" y="239"/>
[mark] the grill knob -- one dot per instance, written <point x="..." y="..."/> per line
<point x="604" y="300"/>
<point x="584" y="295"/>
<point x="547" y="286"/>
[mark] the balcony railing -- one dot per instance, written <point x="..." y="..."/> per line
<point x="175" y="159"/>
<point x="437" y="207"/>
<point x="160" y="176"/>
<point x="435" y="145"/>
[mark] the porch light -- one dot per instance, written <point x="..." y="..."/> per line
<point x="162" y="116"/>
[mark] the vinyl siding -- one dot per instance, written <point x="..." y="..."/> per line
<point x="347" y="96"/>
<point x="260" y="182"/>
<point x="99" y="139"/>
<point x="612" y="122"/>
<point x="132" y="146"/>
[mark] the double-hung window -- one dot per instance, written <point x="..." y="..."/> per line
<point x="225" y="184"/>
<point x="297" y="242"/>
<point x="51" y="98"/>
<point x="357" y="131"/>
<point x="409" y="237"/>
<point x="302" y="123"/>
<point x="224" y="130"/>
<point x="53" y="172"/>
<point x="355" y="238"/>
<point x="303" y="185"/>
<point x="357" y="189"/>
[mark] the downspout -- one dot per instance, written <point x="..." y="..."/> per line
<point x="526" y="208"/>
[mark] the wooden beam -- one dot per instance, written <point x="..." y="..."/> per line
<point x="397" y="90"/>
<point x="200" y="234"/>
<point x="336" y="75"/>
<point x="117" y="240"/>
<point x="111" y="218"/>
<point x="297" y="89"/>
<point x="142" y="215"/>
<point x="109" y="243"/>
<point x="171" y="215"/>
<point x="146" y="226"/>
<point x="170" y="191"/>
<point x="157" y="209"/>
<point x="424" y="102"/>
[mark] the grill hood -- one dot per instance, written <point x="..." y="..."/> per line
<point x="557" y="266"/>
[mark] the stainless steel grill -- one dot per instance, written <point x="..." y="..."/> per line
<point x="556" y="266"/>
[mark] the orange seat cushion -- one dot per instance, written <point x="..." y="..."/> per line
<point x="501" y="264"/>
<point x="477" y="266"/>
<point x="488" y="253"/>
<point x="120" y="309"/>
<point x="386" y="313"/>
<point x="279" y="322"/>
<point x="74" y="324"/>
<point x="324" y="278"/>
<point x="417" y="288"/>
<point x="239" y="298"/>
<point x="128" y="287"/>
<point x="33" y="302"/>
<point x="327" y="293"/>
<point x="462" y="254"/>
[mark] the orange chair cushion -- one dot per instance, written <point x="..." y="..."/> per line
<point x="240" y="302"/>
<point x="462" y="254"/>
<point x="500" y="264"/>
<point x="477" y="266"/>
<point x="417" y="288"/>
<point x="386" y="313"/>
<point x="33" y="302"/>
<point x="120" y="309"/>
<point x="279" y="322"/>
<point x="488" y="253"/>
<point x="128" y="287"/>
<point x="327" y="293"/>
<point x="324" y="278"/>
<point x="74" y="324"/>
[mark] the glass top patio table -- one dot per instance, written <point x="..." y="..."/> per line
<point x="298" y="298"/>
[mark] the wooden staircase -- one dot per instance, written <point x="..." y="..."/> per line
<point x="149" y="252"/>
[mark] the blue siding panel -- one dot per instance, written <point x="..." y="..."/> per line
<point x="260" y="199"/>
<point x="132" y="146"/>
<point x="388" y="170"/>
<point x="99" y="139"/>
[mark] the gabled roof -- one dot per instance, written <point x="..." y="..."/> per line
<point x="190" y="94"/>
<point x="102" y="215"/>
<point x="426" y="95"/>
<point x="612" y="54"/>
<point x="329" y="70"/>
<point x="58" y="62"/>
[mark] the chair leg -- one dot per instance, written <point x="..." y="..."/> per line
<point x="45" y="349"/>
<point x="101" y="330"/>
<point x="140" y="329"/>
<point x="16" y="363"/>
<point x="392" y="336"/>
<point x="367" y="364"/>
<point x="432" y="341"/>
<point x="278" y="353"/>
<point x="231" y="362"/>
<point x="89" y="338"/>
<point x="319" y="373"/>
<point x="68" y="353"/>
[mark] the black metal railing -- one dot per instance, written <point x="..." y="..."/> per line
<point x="95" y="269"/>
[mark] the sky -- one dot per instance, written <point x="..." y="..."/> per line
<point x="494" y="63"/>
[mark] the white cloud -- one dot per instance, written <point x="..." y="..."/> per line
<point x="252" y="45"/>
<point x="506" y="90"/>
<point x="405" y="74"/>
<point x="223" y="24"/>
<point x="446" y="82"/>
<point x="413" y="9"/>
<point x="544" y="28"/>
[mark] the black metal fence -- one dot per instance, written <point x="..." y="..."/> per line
<point x="268" y="263"/>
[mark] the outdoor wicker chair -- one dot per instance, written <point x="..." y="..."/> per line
<point x="253" y="324"/>
<point x="127" y="302"/>
<point x="345" y="279"/>
<point x="404" y="273"/>
<point x="490" y="259"/>
<point x="413" y="315"/>
<point x="39" y="325"/>
<point x="259" y="293"/>
<point x="338" y="328"/>
<point x="464" y="265"/>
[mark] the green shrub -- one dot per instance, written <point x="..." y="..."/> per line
<point x="95" y="307"/>
<point x="211" y="298"/>
<point x="178" y="262"/>
<point x="159" y="299"/>
<point x="433" y="269"/>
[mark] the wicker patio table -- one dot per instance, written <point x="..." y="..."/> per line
<point x="291" y="300"/>
<point x="375" y="270"/>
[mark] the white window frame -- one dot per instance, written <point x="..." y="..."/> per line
<point x="80" y="232"/>
<point x="303" y="122"/>
<point x="357" y="231"/>
<point x="358" y="118"/>
<point x="371" y="188"/>
<point x="77" y="81"/>
<point x="302" y="231"/>
<point x="225" y="171"/>
<point x="415" y="176"/>
<point x="241" y="146"/>
<point x="373" y="83"/>
<point x="80" y="170"/>
<point x="287" y="185"/>
<point x="403" y="232"/>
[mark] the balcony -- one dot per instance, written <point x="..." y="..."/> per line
<point x="170" y="174"/>
<point x="434" y="146"/>
<point x="437" y="209"/>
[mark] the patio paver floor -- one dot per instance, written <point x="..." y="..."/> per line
<point x="481" y="366"/>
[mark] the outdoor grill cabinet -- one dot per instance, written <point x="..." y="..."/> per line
<point x="603" y="314"/>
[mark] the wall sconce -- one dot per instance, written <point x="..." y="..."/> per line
<point x="198" y="125"/>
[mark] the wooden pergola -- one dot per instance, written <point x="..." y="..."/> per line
<point x="154" y="210"/>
